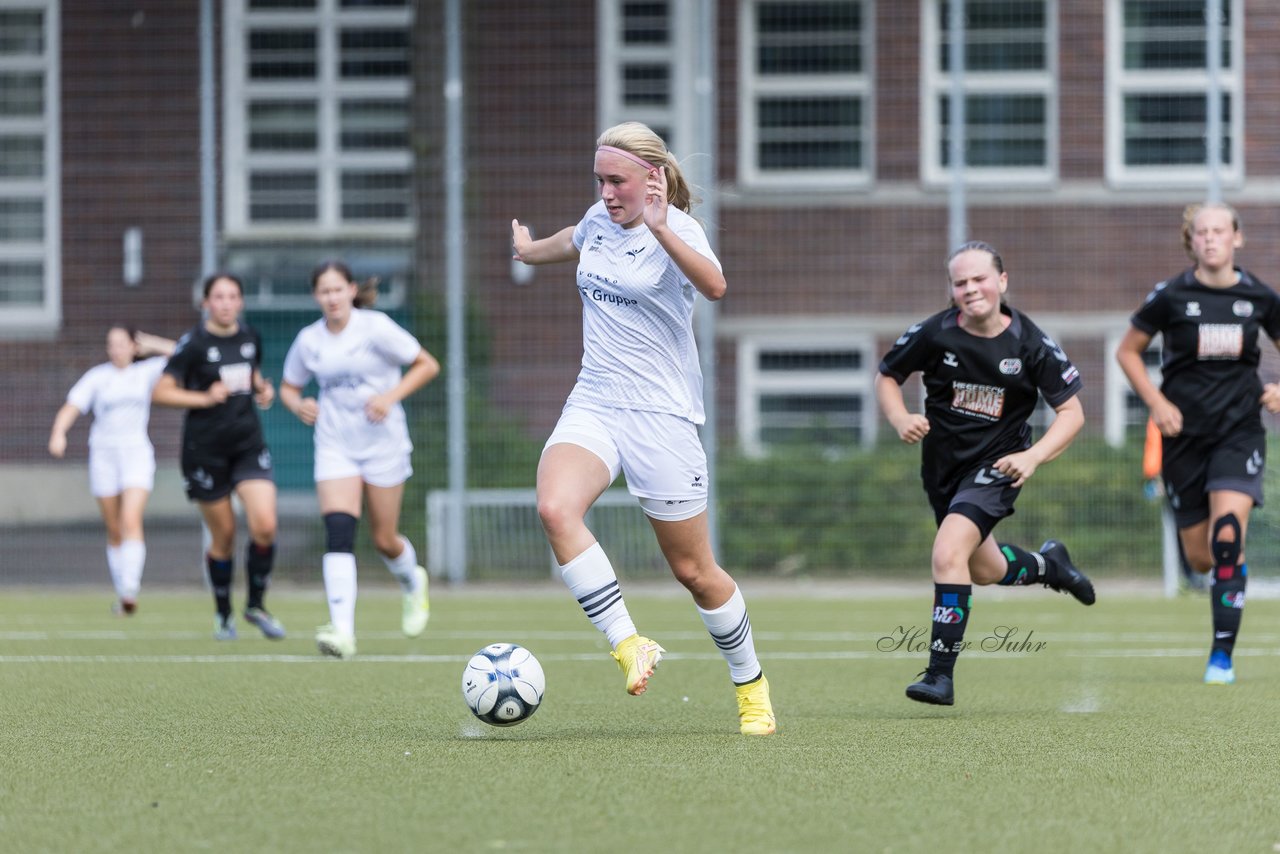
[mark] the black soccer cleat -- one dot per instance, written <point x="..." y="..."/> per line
<point x="1066" y="578"/>
<point x="933" y="688"/>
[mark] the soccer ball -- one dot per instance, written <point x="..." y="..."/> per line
<point x="503" y="684"/>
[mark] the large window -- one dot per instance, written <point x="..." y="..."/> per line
<point x="807" y="391"/>
<point x="1010" y="91"/>
<point x="317" y="129"/>
<point x="1157" y="92"/>
<point x="806" y="92"/>
<point x="646" y="67"/>
<point x="30" y="277"/>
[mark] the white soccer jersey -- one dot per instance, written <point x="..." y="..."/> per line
<point x="638" y="349"/>
<point x="120" y="400"/>
<point x="361" y="361"/>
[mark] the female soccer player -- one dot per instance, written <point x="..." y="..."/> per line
<point x="1208" y="407"/>
<point x="122" y="461"/>
<point x="637" y="403"/>
<point x="214" y="374"/>
<point x="362" y="445"/>
<point x="984" y="366"/>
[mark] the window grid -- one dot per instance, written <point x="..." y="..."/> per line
<point x="1011" y="92"/>
<point x="793" y="389"/>
<point x="646" y="66"/>
<point x="317" y="109"/>
<point x="30" y="170"/>
<point x="1156" y="93"/>
<point x="805" y="97"/>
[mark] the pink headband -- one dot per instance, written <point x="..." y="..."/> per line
<point x="627" y="154"/>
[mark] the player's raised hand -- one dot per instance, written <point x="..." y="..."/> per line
<point x="521" y="240"/>
<point x="655" y="199"/>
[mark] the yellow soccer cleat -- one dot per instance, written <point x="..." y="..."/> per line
<point x="637" y="657"/>
<point x="417" y="608"/>
<point x="755" y="712"/>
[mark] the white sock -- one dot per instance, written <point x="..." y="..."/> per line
<point x="593" y="583"/>
<point x="133" y="556"/>
<point x="730" y="628"/>
<point x="340" y="588"/>
<point x="113" y="566"/>
<point x="403" y="567"/>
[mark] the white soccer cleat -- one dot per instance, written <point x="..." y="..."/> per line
<point x="417" y="607"/>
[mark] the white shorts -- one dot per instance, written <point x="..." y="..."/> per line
<point x="113" y="470"/>
<point x="385" y="471"/>
<point x="661" y="455"/>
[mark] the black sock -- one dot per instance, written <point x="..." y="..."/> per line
<point x="951" y="604"/>
<point x="259" y="563"/>
<point x="1226" y="585"/>
<point x="220" y="582"/>
<point x="1024" y="567"/>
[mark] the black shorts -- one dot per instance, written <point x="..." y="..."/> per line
<point x="211" y="475"/>
<point x="1194" y="466"/>
<point x="984" y="496"/>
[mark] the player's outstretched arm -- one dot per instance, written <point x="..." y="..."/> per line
<point x="549" y="250"/>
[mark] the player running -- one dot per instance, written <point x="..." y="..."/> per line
<point x="984" y="365"/>
<point x="362" y="445"/>
<point x="122" y="460"/>
<point x="637" y="403"/>
<point x="214" y="374"/>
<point x="1208" y="407"/>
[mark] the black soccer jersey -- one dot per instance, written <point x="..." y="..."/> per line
<point x="1210" y="349"/>
<point x="979" y="392"/>
<point x="202" y="358"/>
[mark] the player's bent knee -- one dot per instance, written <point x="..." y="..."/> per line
<point x="340" y="533"/>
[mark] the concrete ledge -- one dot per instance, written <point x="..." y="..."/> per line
<point x="59" y="492"/>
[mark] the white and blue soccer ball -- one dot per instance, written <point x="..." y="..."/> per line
<point x="503" y="684"/>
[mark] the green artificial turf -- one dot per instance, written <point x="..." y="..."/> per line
<point x="144" y="734"/>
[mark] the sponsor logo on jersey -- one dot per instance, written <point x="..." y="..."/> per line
<point x="634" y="253"/>
<point x="1011" y="367"/>
<point x="984" y="401"/>
<point x="1070" y="374"/>
<point x="1220" y="341"/>
<point x="1242" y="308"/>
<point x="604" y="296"/>
<point x="949" y="359"/>
<point x="598" y="245"/>
<point x="248" y="350"/>
<point x="1193" y="309"/>
<point x="214" y="355"/>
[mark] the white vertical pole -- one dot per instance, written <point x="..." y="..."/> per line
<point x="455" y="302"/>
<point x="1172" y="563"/>
<point x="705" y="137"/>
<point x="958" y="226"/>
<point x="1213" y="97"/>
